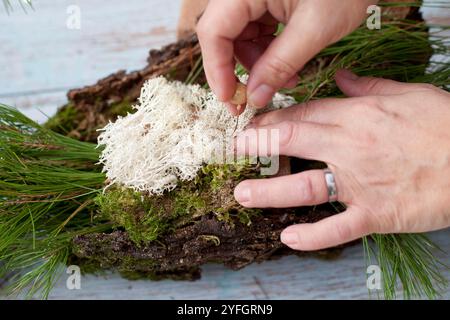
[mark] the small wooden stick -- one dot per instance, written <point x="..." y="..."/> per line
<point x="239" y="99"/>
<point x="240" y="95"/>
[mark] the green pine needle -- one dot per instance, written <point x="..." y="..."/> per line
<point x="23" y="4"/>
<point x="47" y="182"/>
<point x="408" y="259"/>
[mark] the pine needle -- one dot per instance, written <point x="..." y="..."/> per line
<point x="47" y="182"/>
<point x="408" y="259"/>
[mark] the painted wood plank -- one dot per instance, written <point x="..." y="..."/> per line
<point x="43" y="55"/>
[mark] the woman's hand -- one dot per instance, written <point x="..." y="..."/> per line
<point x="388" y="147"/>
<point x="244" y="29"/>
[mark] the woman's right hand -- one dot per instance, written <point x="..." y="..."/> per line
<point x="245" y="29"/>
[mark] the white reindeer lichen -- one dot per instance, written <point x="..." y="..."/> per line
<point x="175" y="129"/>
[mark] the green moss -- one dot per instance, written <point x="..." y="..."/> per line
<point x="135" y="213"/>
<point x="217" y="176"/>
<point x="64" y="121"/>
<point x="145" y="218"/>
<point x="128" y="265"/>
<point x="70" y="120"/>
<point x="120" y="109"/>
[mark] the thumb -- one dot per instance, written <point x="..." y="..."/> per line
<point x="329" y="232"/>
<point x="281" y="61"/>
<point x="354" y="86"/>
<point x="312" y="26"/>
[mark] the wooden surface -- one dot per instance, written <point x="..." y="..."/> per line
<point x="287" y="278"/>
<point x="42" y="59"/>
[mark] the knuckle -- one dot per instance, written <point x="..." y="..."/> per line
<point x="303" y="111"/>
<point x="280" y="70"/>
<point x="344" y="232"/>
<point x="426" y="86"/>
<point x="366" y="223"/>
<point x="359" y="226"/>
<point x="374" y="85"/>
<point x="307" y="190"/>
<point x="288" y="132"/>
<point x="372" y="102"/>
<point x="370" y="108"/>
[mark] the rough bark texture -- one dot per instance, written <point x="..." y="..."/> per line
<point x="182" y="253"/>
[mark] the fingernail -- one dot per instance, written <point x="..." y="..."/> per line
<point x="347" y="74"/>
<point x="289" y="238"/>
<point x="260" y="96"/>
<point x="242" y="193"/>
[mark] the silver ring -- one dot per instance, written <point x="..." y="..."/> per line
<point x="331" y="185"/>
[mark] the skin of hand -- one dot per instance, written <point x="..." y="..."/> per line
<point x="244" y="30"/>
<point x="388" y="146"/>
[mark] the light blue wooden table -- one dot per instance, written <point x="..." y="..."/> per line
<point x="42" y="59"/>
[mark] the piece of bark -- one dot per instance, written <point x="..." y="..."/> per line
<point x="399" y="12"/>
<point x="182" y="253"/>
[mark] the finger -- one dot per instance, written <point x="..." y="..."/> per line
<point x="248" y="53"/>
<point x="305" y="140"/>
<point x="268" y="20"/>
<point x="233" y="109"/>
<point x="255" y="30"/>
<point x="283" y="58"/>
<point x="220" y="25"/>
<point x="354" y="86"/>
<point x="301" y="189"/>
<point x="324" y="111"/>
<point x="312" y="26"/>
<point x="329" y="232"/>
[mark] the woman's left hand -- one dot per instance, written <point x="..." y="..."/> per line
<point x="388" y="147"/>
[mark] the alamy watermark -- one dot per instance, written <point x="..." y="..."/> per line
<point x="73" y="21"/>
<point x="73" y="281"/>
<point x="373" y="22"/>
<point x="374" y="275"/>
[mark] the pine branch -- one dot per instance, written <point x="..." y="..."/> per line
<point x="23" y="4"/>
<point x="45" y="180"/>
<point x="408" y="259"/>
